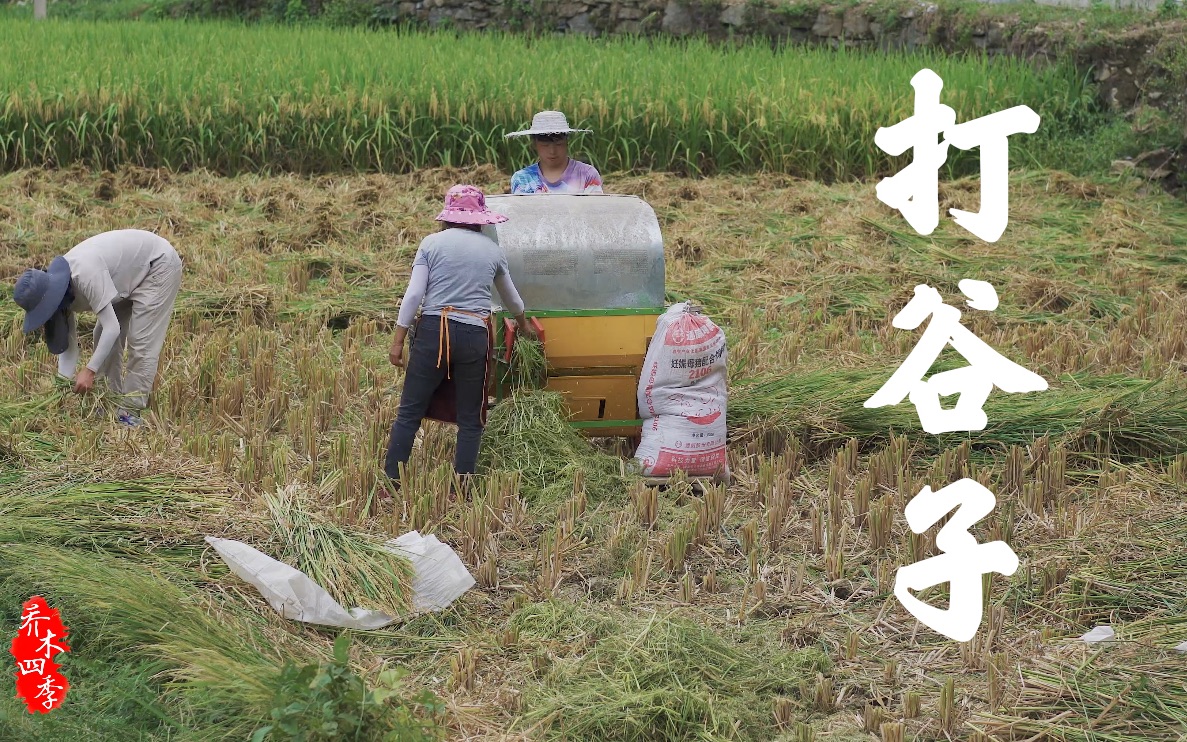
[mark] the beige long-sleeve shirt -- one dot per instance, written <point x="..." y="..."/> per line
<point x="106" y="269"/>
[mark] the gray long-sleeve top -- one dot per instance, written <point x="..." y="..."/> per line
<point x="455" y="268"/>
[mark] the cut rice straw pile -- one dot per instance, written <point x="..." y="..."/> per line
<point x="1131" y="417"/>
<point x="529" y="432"/>
<point x="670" y="678"/>
<point x="1122" y="693"/>
<point x="355" y="568"/>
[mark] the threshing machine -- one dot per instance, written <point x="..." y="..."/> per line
<point x="590" y="270"/>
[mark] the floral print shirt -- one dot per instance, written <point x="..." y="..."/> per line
<point x="578" y="177"/>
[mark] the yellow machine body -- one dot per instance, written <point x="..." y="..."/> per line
<point x="595" y="358"/>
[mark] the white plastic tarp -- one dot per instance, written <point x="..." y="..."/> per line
<point x="440" y="578"/>
<point x="1099" y="634"/>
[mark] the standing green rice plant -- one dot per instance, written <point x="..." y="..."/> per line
<point x="321" y="100"/>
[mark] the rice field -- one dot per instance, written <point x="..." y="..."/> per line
<point x="605" y="609"/>
<point x="235" y="99"/>
<point x="296" y="170"/>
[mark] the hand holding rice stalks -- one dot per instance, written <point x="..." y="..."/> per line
<point x="529" y="365"/>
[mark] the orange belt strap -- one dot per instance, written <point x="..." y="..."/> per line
<point x="443" y="341"/>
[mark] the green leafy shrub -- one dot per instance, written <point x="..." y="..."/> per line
<point x="329" y="701"/>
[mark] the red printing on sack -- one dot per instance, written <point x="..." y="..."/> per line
<point x="669" y="460"/>
<point x="690" y="330"/>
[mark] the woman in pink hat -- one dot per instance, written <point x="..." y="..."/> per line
<point x="450" y="285"/>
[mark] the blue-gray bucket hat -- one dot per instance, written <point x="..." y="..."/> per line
<point x="40" y="294"/>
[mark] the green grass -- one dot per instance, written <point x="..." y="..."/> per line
<point x="232" y="98"/>
<point x="666" y="677"/>
<point x="111" y="699"/>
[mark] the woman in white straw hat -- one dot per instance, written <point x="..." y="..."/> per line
<point x="554" y="171"/>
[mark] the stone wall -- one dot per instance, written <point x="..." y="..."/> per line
<point x="1134" y="4"/>
<point x="798" y="20"/>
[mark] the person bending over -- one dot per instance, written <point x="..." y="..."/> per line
<point x="129" y="278"/>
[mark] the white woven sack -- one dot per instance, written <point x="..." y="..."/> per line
<point x="682" y="396"/>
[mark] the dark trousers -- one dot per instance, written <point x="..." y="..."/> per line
<point x="468" y="346"/>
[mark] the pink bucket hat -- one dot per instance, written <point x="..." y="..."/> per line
<point x="465" y="204"/>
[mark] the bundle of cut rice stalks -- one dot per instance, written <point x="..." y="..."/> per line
<point x="228" y="304"/>
<point x="354" y="567"/>
<point x="100" y="398"/>
<point x="340" y="307"/>
<point x="528" y="368"/>
<point x="158" y="515"/>
<point x="1131" y="418"/>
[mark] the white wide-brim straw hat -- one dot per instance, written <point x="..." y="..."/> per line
<point x="547" y="122"/>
